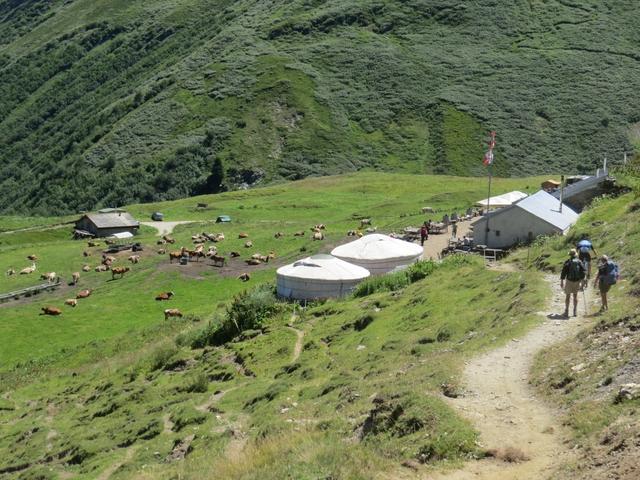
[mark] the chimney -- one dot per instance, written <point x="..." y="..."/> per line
<point x="561" y="191"/>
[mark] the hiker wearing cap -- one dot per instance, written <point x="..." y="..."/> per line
<point x="585" y="247"/>
<point x="607" y="275"/>
<point x="571" y="277"/>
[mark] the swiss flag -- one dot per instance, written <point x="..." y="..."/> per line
<point x="488" y="158"/>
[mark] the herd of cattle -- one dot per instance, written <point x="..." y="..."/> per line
<point x="182" y="255"/>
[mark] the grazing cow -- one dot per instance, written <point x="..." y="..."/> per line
<point x="245" y="277"/>
<point x="49" y="277"/>
<point x="86" y="268"/>
<point x="75" y="276"/>
<point x="248" y="244"/>
<point x="243" y="235"/>
<point x="365" y="221"/>
<point x="299" y="234"/>
<point x="318" y="236"/>
<point x="279" y="235"/>
<point x="84" y="293"/>
<point x="108" y="259"/>
<point x="51" y="311"/>
<point x="162" y="251"/>
<point x="176" y="254"/>
<point x="28" y="270"/>
<point x="218" y="260"/>
<point x="168" y="239"/>
<point x="72" y="302"/>
<point x="118" y="271"/>
<point x="172" y="312"/>
<point x="102" y="268"/>
<point x="197" y="254"/>
<point x="234" y="254"/>
<point x="164" y="296"/>
<point x="10" y="272"/>
<point x="32" y="257"/>
<point x="134" y="258"/>
<point x="252" y="261"/>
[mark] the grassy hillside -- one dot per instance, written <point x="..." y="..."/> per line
<point x="585" y="374"/>
<point x="392" y="202"/>
<point x="111" y="102"/>
<point x="109" y="387"/>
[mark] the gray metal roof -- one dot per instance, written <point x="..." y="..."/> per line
<point x="112" y="220"/>
<point x="546" y="207"/>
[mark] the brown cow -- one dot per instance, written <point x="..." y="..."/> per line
<point x="299" y="234"/>
<point x="84" y="293"/>
<point x="172" y="312"/>
<point x="253" y="261"/>
<point x="176" y="254"/>
<point x="218" y="260"/>
<point x="243" y="235"/>
<point x="164" y="296"/>
<point x="168" y="239"/>
<point x="118" y="271"/>
<point x="134" y="258"/>
<point x="51" y="311"/>
<point x="72" y="302"/>
<point x="32" y="257"/>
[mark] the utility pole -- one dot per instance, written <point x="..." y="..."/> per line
<point x="488" y="161"/>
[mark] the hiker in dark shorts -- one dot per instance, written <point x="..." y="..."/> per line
<point x="607" y="275"/>
<point x="585" y="247"/>
<point x="573" y="273"/>
<point x="424" y="233"/>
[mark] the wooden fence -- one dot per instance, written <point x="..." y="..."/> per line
<point x="5" y="297"/>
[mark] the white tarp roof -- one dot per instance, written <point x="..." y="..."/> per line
<point x="122" y="235"/>
<point x="545" y="206"/>
<point x="503" y="200"/>
<point x="378" y="247"/>
<point x="323" y="268"/>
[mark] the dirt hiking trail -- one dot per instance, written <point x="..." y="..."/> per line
<point x="165" y="228"/>
<point x="501" y="404"/>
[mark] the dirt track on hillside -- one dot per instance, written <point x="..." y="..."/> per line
<point x="503" y="407"/>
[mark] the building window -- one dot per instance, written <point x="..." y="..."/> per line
<point x="497" y="233"/>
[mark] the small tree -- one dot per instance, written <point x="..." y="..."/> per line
<point x="214" y="181"/>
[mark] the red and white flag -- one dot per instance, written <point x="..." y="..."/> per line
<point x="488" y="156"/>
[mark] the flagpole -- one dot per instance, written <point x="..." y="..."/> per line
<point x="486" y="232"/>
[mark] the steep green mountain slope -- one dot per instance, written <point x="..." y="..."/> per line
<point x="107" y="102"/>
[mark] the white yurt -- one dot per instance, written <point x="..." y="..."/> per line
<point x="379" y="253"/>
<point x="318" y="277"/>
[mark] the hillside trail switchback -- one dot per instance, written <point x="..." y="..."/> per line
<point x="501" y="404"/>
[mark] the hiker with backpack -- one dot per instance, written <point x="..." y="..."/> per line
<point x="571" y="277"/>
<point x="585" y="247"/>
<point x="608" y="274"/>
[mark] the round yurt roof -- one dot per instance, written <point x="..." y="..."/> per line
<point x="376" y="247"/>
<point x="323" y="268"/>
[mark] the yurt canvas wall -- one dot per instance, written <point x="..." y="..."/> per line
<point x="379" y="253"/>
<point x="318" y="277"/>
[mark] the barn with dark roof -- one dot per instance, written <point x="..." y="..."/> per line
<point x="107" y="224"/>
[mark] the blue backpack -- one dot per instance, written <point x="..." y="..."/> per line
<point x="613" y="273"/>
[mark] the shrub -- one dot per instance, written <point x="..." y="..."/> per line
<point x="196" y="384"/>
<point x="161" y="356"/>
<point x="250" y="308"/>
